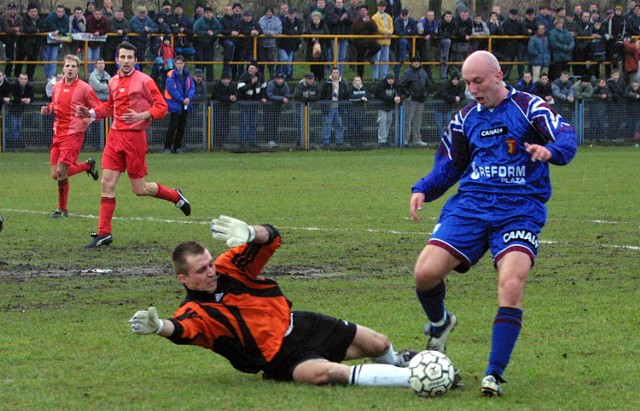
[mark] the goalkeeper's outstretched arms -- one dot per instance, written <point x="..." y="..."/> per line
<point x="236" y="232"/>
<point x="148" y="322"/>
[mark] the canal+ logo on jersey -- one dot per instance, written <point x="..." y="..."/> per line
<point x="496" y="131"/>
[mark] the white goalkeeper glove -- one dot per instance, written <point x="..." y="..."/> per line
<point x="146" y="322"/>
<point x="234" y="232"/>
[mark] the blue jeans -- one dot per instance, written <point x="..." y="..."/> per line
<point x="94" y="54"/>
<point x="15" y="127"/>
<point x="285" y="56"/>
<point x="50" y="53"/>
<point x="333" y="114"/>
<point x="443" y="118"/>
<point x="401" y="56"/>
<point x="248" y="125"/>
<point x="342" y="53"/>
<point x="229" y="49"/>
<point x="383" y="55"/>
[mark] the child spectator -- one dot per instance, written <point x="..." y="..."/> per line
<point x="387" y="93"/>
<point x="164" y="60"/>
<point x="543" y="89"/>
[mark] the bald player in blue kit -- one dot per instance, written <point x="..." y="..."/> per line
<point x="498" y="149"/>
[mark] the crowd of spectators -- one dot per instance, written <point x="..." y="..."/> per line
<point x="559" y="54"/>
<point x="549" y="40"/>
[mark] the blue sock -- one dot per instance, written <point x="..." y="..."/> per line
<point x="506" y="329"/>
<point x="432" y="302"/>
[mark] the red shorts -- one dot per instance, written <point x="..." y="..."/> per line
<point x="66" y="149"/>
<point x="126" y="150"/>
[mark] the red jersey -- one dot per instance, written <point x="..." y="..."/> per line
<point x="135" y="91"/>
<point x="246" y="318"/>
<point x="64" y="100"/>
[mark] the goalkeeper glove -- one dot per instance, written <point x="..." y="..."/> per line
<point x="146" y="322"/>
<point x="234" y="232"/>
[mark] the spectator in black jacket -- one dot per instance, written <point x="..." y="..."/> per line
<point x="21" y="96"/>
<point x="293" y="26"/>
<point x="446" y="32"/>
<point x="230" y="31"/>
<point x="225" y="93"/>
<point x="307" y="90"/>
<point x="359" y="96"/>
<point x="387" y="93"/>
<point x="339" y="22"/>
<point x="250" y="29"/>
<point x="366" y="49"/>
<point x="251" y="88"/>
<point x="278" y="94"/>
<point x="543" y="88"/>
<point x="413" y="89"/>
<point x="317" y="47"/>
<point x="29" y="45"/>
<point x="452" y="93"/>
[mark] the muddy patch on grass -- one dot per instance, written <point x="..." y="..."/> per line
<point x="25" y="272"/>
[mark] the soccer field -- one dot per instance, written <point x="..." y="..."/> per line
<point x="348" y="250"/>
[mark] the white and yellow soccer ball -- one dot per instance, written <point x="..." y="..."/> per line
<point x="432" y="374"/>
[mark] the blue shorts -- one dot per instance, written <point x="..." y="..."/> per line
<point x="471" y="224"/>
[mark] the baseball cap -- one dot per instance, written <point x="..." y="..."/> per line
<point x="610" y="11"/>
<point x="11" y="5"/>
<point x="247" y="13"/>
<point x="309" y="75"/>
<point x="291" y="10"/>
<point x="198" y="72"/>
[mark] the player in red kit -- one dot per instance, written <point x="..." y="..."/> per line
<point x="68" y="130"/>
<point x="134" y="99"/>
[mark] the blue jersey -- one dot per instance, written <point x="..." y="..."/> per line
<point x="484" y="149"/>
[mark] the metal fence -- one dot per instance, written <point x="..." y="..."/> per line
<point x="325" y="124"/>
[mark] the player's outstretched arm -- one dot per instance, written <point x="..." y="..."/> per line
<point x="148" y="322"/>
<point x="415" y="205"/>
<point x="236" y="232"/>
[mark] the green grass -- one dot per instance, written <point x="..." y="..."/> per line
<point x="348" y="250"/>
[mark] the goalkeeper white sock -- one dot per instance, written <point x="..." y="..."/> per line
<point x="389" y="357"/>
<point x="379" y="375"/>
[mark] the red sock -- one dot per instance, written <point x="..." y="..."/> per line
<point x="63" y="193"/>
<point x="78" y="168"/>
<point x="167" y="194"/>
<point x="107" y="207"/>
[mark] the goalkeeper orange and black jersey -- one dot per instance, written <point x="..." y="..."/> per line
<point x="246" y="318"/>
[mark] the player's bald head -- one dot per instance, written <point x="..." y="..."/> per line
<point x="481" y="60"/>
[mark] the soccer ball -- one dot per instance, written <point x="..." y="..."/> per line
<point x="432" y="374"/>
